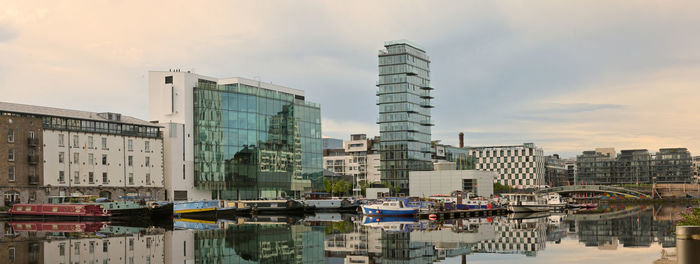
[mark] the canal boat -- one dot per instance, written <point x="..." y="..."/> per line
<point x="196" y="209"/>
<point x="469" y="203"/>
<point x="126" y="207"/>
<point x="59" y="211"/>
<point x="324" y="202"/>
<point x="529" y="202"/>
<point x="275" y="206"/>
<point x="389" y="208"/>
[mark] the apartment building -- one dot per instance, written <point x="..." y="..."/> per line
<point x="519" y="166"/>
<point x="71" y="152"/>
<point x="635" y="166"/>
<point x="358" y="158"/>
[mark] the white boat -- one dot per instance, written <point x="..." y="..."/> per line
<point x="389" y="208"/>
<point x="323" y="202"/>
<point x="530" y="202"/>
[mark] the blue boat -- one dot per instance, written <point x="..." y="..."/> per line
<point x="389" y="208"/>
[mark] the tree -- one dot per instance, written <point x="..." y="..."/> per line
<point x="500" y="188"/>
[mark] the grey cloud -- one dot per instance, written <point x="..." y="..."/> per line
<point x="7" y="32"/>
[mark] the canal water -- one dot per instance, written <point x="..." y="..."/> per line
<point x="609" y="234"/>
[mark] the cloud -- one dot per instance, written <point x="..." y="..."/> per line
<point x="7" y="33"/>
<point x="568" y="75"/>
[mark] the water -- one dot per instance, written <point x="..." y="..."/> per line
<point x="618" y="234"/>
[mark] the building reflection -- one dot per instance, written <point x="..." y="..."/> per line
<point x="331" y="238"/>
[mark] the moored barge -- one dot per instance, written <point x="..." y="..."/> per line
<point x="59" y="211"/>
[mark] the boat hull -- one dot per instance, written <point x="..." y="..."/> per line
<point x="529" y="208"/>
<point x="375" y="211"/>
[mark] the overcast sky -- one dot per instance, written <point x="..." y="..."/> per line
<point x="566" y="75"/>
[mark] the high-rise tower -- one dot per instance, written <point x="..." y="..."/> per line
<point x="404" y="111"/>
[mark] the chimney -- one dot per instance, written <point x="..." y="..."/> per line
<point x="461" y="140"/>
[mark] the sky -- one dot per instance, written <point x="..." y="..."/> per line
<point x="566" y="75"/>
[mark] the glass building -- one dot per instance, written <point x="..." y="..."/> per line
<point x="235" y="138"/>
<point x="404" y="112"/>
<point x="253" y="142"/>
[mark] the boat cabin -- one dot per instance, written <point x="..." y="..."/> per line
<point x="317" y="196"/>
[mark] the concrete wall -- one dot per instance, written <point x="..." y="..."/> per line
<point x="427" y="183"/>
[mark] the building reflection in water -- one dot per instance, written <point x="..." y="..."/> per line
<point x="330" y="237"/>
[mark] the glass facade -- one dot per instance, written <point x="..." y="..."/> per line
<point x="404" y="112"/>
<point x="253" y="142"/>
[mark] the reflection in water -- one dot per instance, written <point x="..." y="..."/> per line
<point x="334" y="238"/>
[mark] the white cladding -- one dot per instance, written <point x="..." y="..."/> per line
<point x="123" y="249"/>
<point x="101" y="160"/>
<point x="427" y="183"/>
<point x="519" y="166"/>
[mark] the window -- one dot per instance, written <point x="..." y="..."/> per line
<point x="76" y="158"/>
<point x="61" y="140"/>
<point x="105" y="246"/>
<point x="148" y="179"/>
<point x="148" y="161"/>
<point x="76" y="248"/>
<point x="11" y="253"/>
<point x="130" y="145"/>
<point x="147" y="146"/>
<point x="92" y="247"/>
<point x="104" y="177"/>
<point x="104" y="159"/>
<point x="62" y="249"/>
<point x="61" y="176"/>
<point x="91" y="159"/>
<point x="104" y="143"/>
<point x="130" y="161"/>
<point x="90" y="142"/>
<point x="91" y="177"/>
<point x="168" y="79"/>
<point x="76" y="177"/>
<point x="61" y="157"/>
<point x="131" y="178"/>
<point x="10" y="136"/>
<point x="11" y="173"/>
<point x="131" y="244"/>
<point x="10" y="155"/>
<point x="76" y="141"/>
<point x="148" y="242"/>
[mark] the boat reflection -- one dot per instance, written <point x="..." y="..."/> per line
<point x="333" y="237"/>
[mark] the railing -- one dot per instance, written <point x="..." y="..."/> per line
<point x="33" y="179"/>
<point x="32" y="142"/>
<point x="32" y="159"/>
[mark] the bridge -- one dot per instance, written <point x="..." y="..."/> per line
<point x="627" y="193"/>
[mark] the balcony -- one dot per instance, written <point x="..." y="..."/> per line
<point x="426" y="105"/>
<point x="33" y="179"/>
<point x="33" y="159"/>
<point x="427" y="88"/>
<point x="32" y="141"/>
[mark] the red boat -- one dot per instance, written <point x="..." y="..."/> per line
<point x="80" y="211"/>
<point x="79" y="227"/>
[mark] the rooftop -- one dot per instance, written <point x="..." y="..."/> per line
<point x="403" y="42"/>
<point x="77" y="114"/>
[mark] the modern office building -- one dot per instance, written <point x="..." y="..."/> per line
<point x="452" y="158"/>
<point x="235" y="138"/>
<point x="519" y="166"/>
<point x="69" y="152"/>
<point x="571" y="176"/>
<point x="636" y="166"/>
<point x="357" y="159"/>
<point x="404" y="112"/>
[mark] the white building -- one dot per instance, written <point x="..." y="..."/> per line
<point x="103" y="154"/>
<point x="442" y="182"/>
<point x="130" y="248"/>
<point x="359" y="160"/>
<point x="519" y="166"/>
